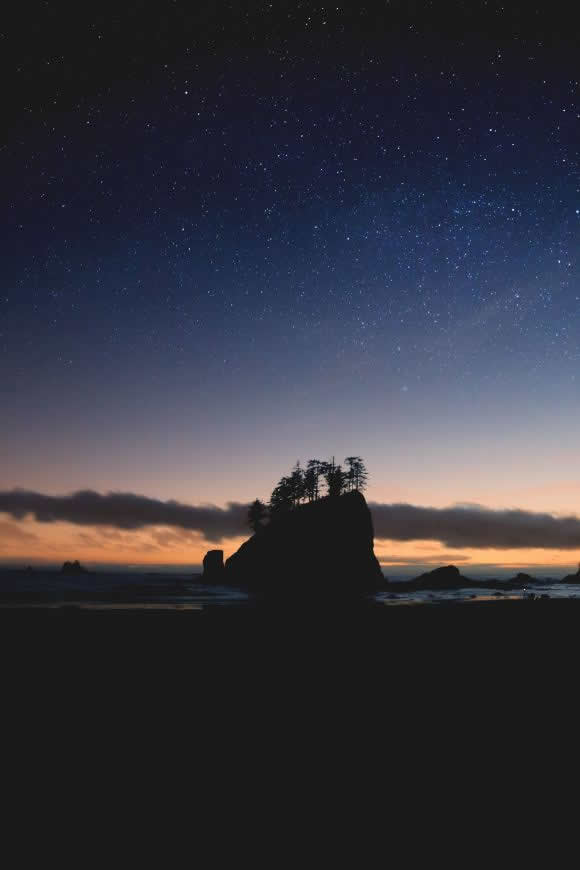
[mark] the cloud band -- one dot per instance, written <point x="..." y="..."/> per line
<point x="126" y="510"/>
<point x="476" y="526"/>
<point x="458" y="526"/>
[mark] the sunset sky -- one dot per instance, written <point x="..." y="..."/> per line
<point x="246" y="234"/>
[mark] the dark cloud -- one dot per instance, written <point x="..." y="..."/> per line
<point x="127" y="511"/>
<point x="457" y="527"/>
<point x="475" y="526"/>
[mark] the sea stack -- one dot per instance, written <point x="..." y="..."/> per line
<point x="572" y="578"/>
<point x="325" y="546"/>
<point x="520" y="581"/>
<point x="73" y="568"/>
<point x="213" y="566"/>
<point x="446" y="577"/>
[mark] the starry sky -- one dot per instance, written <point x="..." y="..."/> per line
<point x="239" y="234"/>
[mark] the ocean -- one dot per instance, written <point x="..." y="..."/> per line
<point x="171" y="591"/>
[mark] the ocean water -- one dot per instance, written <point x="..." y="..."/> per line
<point x="112" y="590"/>
<point x="19" y="588"/>
<point x="551" y="589"/>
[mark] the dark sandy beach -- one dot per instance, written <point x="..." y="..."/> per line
<point x="510" y="639"/>
<point x="411" y="688"/>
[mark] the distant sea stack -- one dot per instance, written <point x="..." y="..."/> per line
<point x="450" y="577"/>
<point x="572" y="578"/>
<point x="447" y="577"/>
<point x="322" y="547"/>
<point x="213" y="566"/>
<point x="73" y="568"/>
<point x="520" y="581"/>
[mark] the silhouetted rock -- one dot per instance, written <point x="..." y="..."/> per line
<point x="572" y="578"/>
<point x="213" y="565"/>
<point x="73" y="568"/>
<point x="447" y="577"/>
<point x="322" y="547"/>
<point x="520" y="581"/>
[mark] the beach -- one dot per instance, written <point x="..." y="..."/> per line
<point x="522" y="634"/>
<point x="402" y="688"/>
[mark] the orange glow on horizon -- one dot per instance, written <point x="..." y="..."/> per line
<point x="30" y="541"/>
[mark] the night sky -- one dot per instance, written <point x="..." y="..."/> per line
<point x="239" y="235"/>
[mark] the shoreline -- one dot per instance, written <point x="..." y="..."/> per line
<point x="279" y="605"/>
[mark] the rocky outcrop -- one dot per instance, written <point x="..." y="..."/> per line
<point x="520" y="581"/>
<point x="73" y="568"/>
<point x="325" y="547"/>
<point x="447" y="577"/>
<point x="572" y="578"/>
<point x="213" y="566"/>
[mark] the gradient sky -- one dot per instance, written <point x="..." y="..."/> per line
<point x="243" y="234"/>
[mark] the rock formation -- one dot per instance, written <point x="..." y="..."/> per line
<point x="73" y="568"/>
<point x="572" y="578"/>
<point x="447" y="577"/>
<point x="520" y="581"/>
<point x="213" y="566"/>
<point x="325" y="547"/>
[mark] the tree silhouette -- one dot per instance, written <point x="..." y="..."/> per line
<point x="281" y="499"/>
<point x="349" y="473"/>
<point x="302" y="484"/>
<point x="335" y="478"/>
<point x="360" y="475"/>
<point x="256" y="515"/>
<point x="357" y="474"/>
<point x="312" y="479"/>
<point x="297" y="484"/>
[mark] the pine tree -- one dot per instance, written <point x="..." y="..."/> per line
<point x="281" y="499"/>
<point x="357" y="473"/>
<point x="312" y="479"/>
<point x="335" y="478"/>
<point x="297" y="484"/>
<point x="256" y="515"/>
<point x="350" y="460"/>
